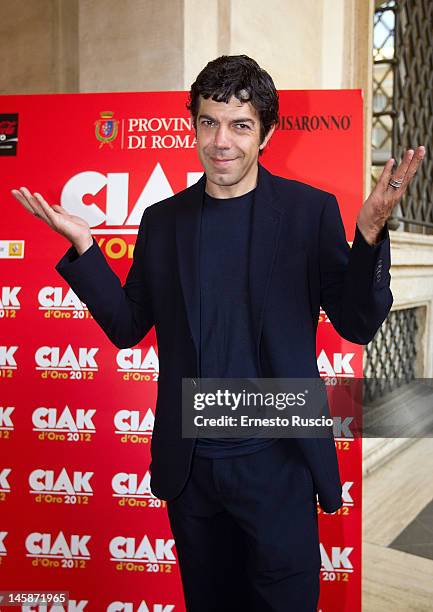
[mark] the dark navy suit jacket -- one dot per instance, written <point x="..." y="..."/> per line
<point x="299" y="260"/>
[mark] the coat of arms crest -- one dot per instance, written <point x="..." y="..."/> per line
<point x="106" y="128"/>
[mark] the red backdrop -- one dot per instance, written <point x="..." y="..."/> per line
<point x="76" y="414"/>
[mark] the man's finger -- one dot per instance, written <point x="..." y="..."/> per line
<point x="406" y="170"/>
<point x="397" y="175"/>
<point x="59" y="209"/>
<point x="35" y="204"/>
<point x="382" y="183"/>
<point x="413" y="166"/>
<point x="400" y="172"/>
<point x="52" y="215"/>
<point x="44" y="204"/>
<point x="22" y="200"/>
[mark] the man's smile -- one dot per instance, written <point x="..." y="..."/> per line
<point x="221" y="160"/>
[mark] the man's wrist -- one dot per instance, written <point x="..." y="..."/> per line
<point x="370" y="236"/>
<point x="370" y="232"/>
<point x="83" y="245"/>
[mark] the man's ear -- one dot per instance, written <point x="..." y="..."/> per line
<point x="267" y="137"/>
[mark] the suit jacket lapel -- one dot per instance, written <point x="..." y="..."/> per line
<point x="265" y="229"/>
<point x="188" y="219"/>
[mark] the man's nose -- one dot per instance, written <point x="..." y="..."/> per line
<point x="222" y="138"/>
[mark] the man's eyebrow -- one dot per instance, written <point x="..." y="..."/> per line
<point x="201" y="116"/>
<point x="237" y="120"/>
<point x="244" y="120"/>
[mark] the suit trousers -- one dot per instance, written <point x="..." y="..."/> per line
<point x="246" y="533"/>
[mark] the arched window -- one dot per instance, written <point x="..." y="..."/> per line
<point x="403" y="101"/>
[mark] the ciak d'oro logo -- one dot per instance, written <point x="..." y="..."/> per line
<point x="106" y="128"/>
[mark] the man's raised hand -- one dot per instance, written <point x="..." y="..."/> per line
<point x="74" y="228"/>
<point x="389" y="190"/>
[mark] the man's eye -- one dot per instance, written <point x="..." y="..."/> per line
<point x="242" y="126"/>
<point x="206" y="122"/>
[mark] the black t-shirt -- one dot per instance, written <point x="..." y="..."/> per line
<point x="227" y="347"/>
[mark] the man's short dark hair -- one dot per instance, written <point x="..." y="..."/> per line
<point x="239" y="76"/>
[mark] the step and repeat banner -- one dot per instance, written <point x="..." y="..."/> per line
<point x="76" y="413"/>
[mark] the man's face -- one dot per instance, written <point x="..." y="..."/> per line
<point x="228" y="144"/>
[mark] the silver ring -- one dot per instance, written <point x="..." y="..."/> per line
<point x="395" y="183"/>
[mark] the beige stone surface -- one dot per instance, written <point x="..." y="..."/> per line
<point x="143" y="45"/>
<point x="397" y="492"/>
<point x="285" y="41"/>
<point x="204" y="25"/>
<point x="394" y="580"/>
<point x="130" y="45"/>
<point x="412" y="286"/>
<point x="393" y="496"/>
<point x="38" y="46"/>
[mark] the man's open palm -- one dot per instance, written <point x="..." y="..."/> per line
<point x="74" y="228"/>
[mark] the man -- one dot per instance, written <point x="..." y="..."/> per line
<point x="232" y="272"/>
